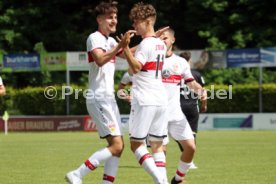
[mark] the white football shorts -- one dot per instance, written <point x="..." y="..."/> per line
<point x="106" y="115"/>
<point x="180" y="130"/>
<point x="147" y="120"/>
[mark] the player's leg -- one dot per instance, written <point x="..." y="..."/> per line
<point x="108" y="128"/>
<point x="182" y="132"/>
<point x="157" y="132"/>
<point x="192" y="117"/>
<point x="115" y="145"/>
<point x="140" y="121"/>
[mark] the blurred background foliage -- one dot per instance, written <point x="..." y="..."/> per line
<point x="36" y="26"/>
<point x="63" y="25"/>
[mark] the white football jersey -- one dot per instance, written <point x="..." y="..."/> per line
<point x="101" y="79"/>
<point x="147" y="88"/>
<point x="126" y="79"/>
<point x="174" y="69"/>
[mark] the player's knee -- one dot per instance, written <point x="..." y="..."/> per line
<point x="192" y="148"/>
<point x="117" y="149"/>
<point x="134" y="145"/>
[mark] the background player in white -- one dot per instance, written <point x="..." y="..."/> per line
<point x="174" y="69"/>
<point x="122" y="92"/>
<point x="2" y="88"/>
<point x="101" y="103"/>
<point x="148" y="106"/>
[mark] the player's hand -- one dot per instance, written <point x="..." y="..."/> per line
<point x="159" y="32"/>
<point x="124" y="39"/>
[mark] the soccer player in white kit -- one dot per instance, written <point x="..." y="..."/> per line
<point x="2" y="88"/>
<point x="174" y="69"/>
<point x="149" y="98"/>
<point x="122" y="92"/>
<point x="100" y="101"/>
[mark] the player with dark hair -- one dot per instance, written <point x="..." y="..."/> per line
<point x="100" y="99"/>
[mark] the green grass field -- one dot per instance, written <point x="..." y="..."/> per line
<point x="223" y="157"/>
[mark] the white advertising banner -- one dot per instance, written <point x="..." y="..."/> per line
<point x="225" y="121"/>
<point x="264" y="121"/>
<point x="77" y="61"/>
<point x="229" y="121"/>
<point x="256" y="121"/>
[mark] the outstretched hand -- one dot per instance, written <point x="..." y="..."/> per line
<point x="124" y="39"/>
<point x="159" y="32"/>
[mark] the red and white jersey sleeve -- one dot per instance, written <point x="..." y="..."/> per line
<point x="101" y="79"/>
<point x="174" y="69"/>
<point x="147" y="86"/>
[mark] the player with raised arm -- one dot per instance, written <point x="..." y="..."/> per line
<point x="174" y="69"/>
<point x="122" y="92"/>
<point x="101" y="103"/>
<point x="149" y="98"/>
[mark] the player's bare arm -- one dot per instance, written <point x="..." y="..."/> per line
<point x="133" y="49"/>
<point x="101" y="57"/>
<point x="159" y="32"/>
<point x="198" y="89"/>
<point x="203" y="100"/>
<point x="134" y="64"/>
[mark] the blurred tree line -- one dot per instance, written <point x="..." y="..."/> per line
<point x="63" y="25"/>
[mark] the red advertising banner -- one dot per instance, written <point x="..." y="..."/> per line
<point x="48" y="123"/>
<point x="89" y="125"/>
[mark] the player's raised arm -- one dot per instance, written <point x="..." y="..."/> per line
<point x="134" y="64"/>
<point x="101" y="57"/>
<point x="198" y="89"/>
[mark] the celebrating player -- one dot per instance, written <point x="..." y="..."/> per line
<point x="100" y="101"/>
<point x="174" y="69"/>
<point x="148" y="106"/>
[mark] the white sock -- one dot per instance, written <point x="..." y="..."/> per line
<point x="145" y="159"/>
<point x="94" y="161"/>
<point x="182" y="170"/>
<point x="160" y="162"/>
<point x="110" y="170"/>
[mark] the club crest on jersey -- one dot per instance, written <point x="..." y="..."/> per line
<point x="166" y="73"/>
<point x="175" y="67"/>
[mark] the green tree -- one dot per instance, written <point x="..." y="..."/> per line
<point x="234" y="24"/>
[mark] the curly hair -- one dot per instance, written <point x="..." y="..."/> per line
<point x="106" y="8"/>
<point x="142" y="11"/>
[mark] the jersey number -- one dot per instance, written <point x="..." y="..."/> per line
<point x="158" y="59"/>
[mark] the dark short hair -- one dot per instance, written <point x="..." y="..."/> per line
<point x="106" y="8"/>
<point x="186" y="55"/>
